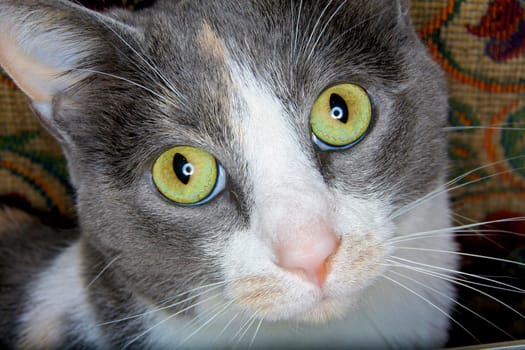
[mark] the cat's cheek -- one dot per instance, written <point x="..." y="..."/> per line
<point x="357" y="264"/>
<point x="365" y="218"/>
<point x="365" y="228"/>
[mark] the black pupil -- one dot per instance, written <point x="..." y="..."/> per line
<point x="338" y="102"/>
<point x="179" y="161"/>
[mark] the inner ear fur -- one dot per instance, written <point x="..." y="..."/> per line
<point x="47" y="47"/>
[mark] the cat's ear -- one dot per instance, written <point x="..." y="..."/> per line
<point x="48" y="46"/>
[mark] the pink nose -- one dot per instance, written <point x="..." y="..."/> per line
<point x="307" y="252"/>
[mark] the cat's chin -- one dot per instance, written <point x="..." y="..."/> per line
<point x="328" y="309"/>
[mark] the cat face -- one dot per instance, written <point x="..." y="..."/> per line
<point x="294" y="230"/>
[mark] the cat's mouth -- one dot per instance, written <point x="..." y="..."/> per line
<point x="285" y="296"/>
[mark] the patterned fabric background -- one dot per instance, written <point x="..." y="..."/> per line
<point x="481" y="46"/>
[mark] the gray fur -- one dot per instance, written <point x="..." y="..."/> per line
<point x="111" y="131"/>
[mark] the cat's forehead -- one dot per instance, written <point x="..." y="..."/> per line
<point x="296" y="48"/>
<point x="290" y="41"/>
<point x="199" y="56"/>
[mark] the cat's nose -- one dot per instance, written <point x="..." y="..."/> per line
<point x="308" y="252"/>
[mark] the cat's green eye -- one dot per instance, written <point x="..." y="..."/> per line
<point x="340" y="117"/>
<point x="188" y="175"/>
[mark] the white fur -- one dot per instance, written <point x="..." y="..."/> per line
<point x="58" y="296"/>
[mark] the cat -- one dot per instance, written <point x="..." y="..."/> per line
<point x="247" y="174"/>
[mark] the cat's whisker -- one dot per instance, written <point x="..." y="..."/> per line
<point x="166" y="307"/>
<point x="134" y="83"/>
<point x="503" y="124"/>
<point x="213" y="284"/>
<point x="472" y="283"/>
<point x="206" y="288"/>
<point x="454" y="229"/>
<point x="156" y="70"/>
<point x="464" y="220"/>
<point x="431" y="304"/>
<point x="312" y="32"/>
<point x="506" y="287"/>
<point x="227" y="325"/>
<point x="482" y="127"/>
<point x="323" y="30"/>
<point x="461" y="219"/>
<point x="142" y="57"/>
<point x="482" y="167"/>
<point x="489" y="229"/>
<point x="431" y="195"/>
<point x="244" y="329"/>
<point x="459" y="233"/>
<point x="102" y="271"/>
<point x="144" y="314"/>
<point x="256" y="332"/>
<point x="188" y="280"/>
<point x="166" y="319"/>
<point x="486" y="234"/>
<point x="370" y="18"/>
<point x="454" y="301"/>
<point x="245" y="322"/>
<point x="292" y="26"/>
<point x="457" y="282"/>
<point x="202" y="315"/>
<point x="446" y="188"/>
<point x="223" y="308"/>
<point x="247" y="325"/>
<point x="201" y="289"/>
<point x="296" y="32"/>
<point x="456" y="233"/>
<point x="463" y="254"/>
